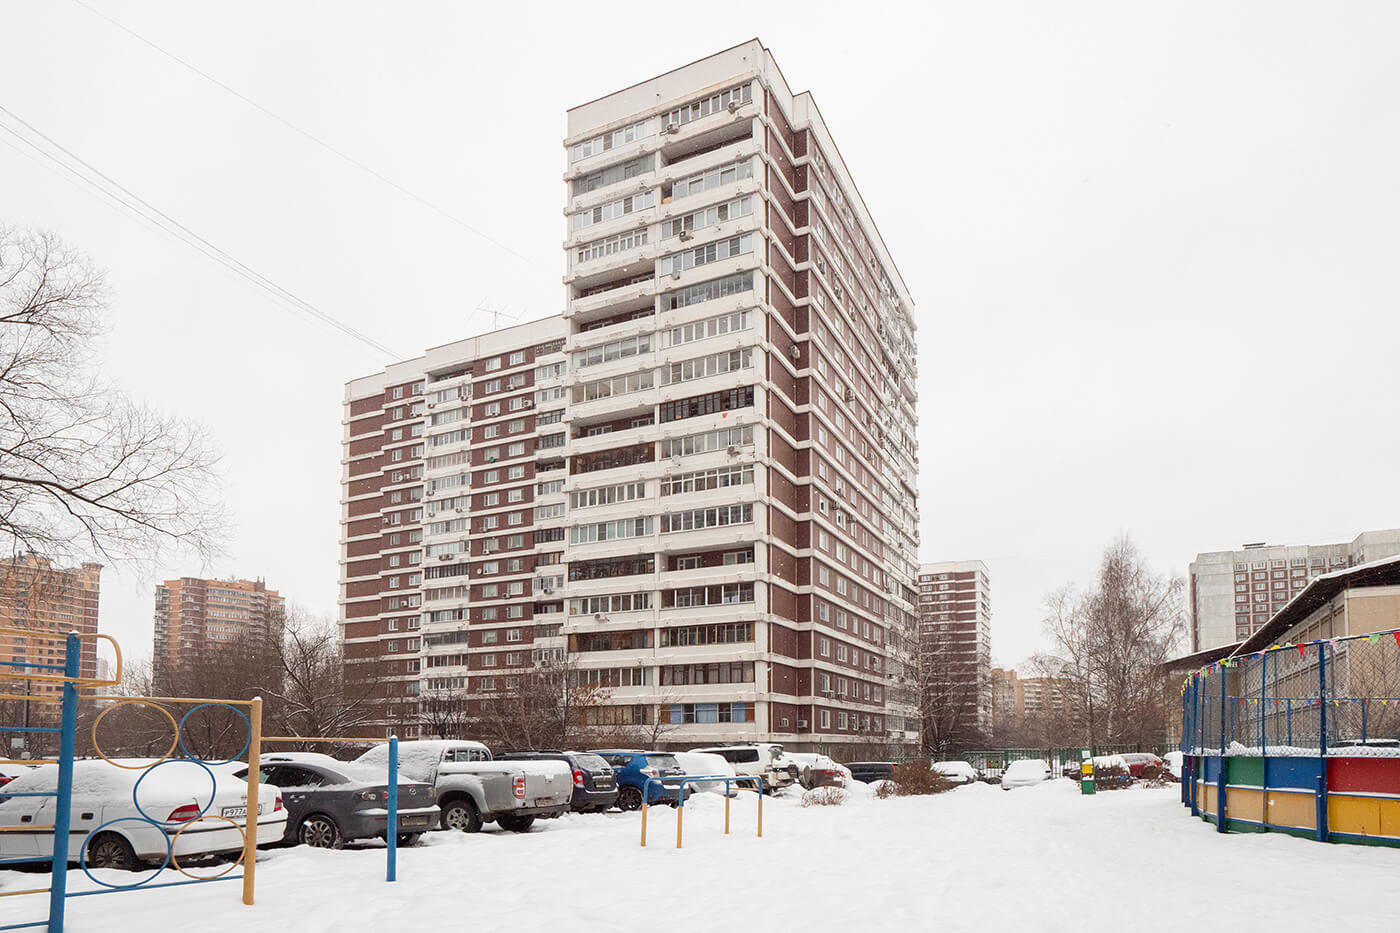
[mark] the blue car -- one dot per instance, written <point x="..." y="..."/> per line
<point x="633" y="768"/>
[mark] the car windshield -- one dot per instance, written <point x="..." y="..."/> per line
<point x="663" y="762"/>
<point x="591" y="762"/>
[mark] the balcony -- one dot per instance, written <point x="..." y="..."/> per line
<point x="633" y="291"/>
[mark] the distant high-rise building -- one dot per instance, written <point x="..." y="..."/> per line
<point x="1233" y="593"/>
<point x="46" y="600"/>
<point x="955" y="615"/>
<point x="194" y="618"/>
<point x="699" y="482"/>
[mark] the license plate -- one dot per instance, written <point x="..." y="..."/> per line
<point x="415" y="821"/>
<point x="544" y="802"/>
<point x="238" y="811"/>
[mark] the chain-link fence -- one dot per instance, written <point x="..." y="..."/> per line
<point x="1337" y="696"/>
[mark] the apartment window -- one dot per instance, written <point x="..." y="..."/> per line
<point x="612" y="210"/>
<point x="707" y="217"/>
<point x="825" y="719"/>
<point x="517" y="358"/>
<point x="701" y="367"/>
<point x="709" y="180"/>
<point x="706" y="254"/>
<point x="513" y="634"/>
<point x="615" y="350"/>
<point x="614" y="174"/>
<point x="708" y="291"/>
<point x="492" y="364"/>
<point x="709" y="404"/>
<point x="709" y="327"/>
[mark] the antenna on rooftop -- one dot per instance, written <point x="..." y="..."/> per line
<point x="496" y="313"/>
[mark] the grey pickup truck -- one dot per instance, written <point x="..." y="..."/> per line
<point x="472" y="789"/>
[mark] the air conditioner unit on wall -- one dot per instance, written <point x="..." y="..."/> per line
<point x="673" y="128"/>
<point x="801" y="723"/>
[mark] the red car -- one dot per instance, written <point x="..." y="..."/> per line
<point x="1137" y="761"/>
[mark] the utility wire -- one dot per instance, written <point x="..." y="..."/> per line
<point x="133" y="202"/>
<point x="443" y="212"/>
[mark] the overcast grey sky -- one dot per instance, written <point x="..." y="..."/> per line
<point x="1153" y="246"/>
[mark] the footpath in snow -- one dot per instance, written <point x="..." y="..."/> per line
<point x="978" y="858"/>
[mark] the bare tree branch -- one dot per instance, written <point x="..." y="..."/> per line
<point x="85" y="472"/>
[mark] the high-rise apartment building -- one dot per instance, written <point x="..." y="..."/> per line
<point x="453" y="518"/>
<point x="194" y="618"/>
<point x="955" y="627"/>
<point x="699" y="482"/>
<point x="1233" y="593"/>
<point x="46" y="600"/>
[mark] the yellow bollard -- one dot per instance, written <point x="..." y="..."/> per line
<point x="680" y="818"/>
<point x="644" y="822"/>
<point x="250" y="815"/>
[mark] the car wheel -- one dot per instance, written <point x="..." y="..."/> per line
<point x="408" y="839"/>
<point x="111" y="850"/>
<point x="630" y="798"/>
<point x="516" y="824"/>
<point x="461" y="815"/>
<point x="807" y="778"/>
<point x="320" y="832"/>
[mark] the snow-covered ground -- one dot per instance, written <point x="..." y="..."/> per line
<point x="1037" y="859"/>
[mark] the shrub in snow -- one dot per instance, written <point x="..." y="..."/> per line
<point x="824" y="797"/>
<point x="1111" y="777"/>
<point x="913" y="780"/>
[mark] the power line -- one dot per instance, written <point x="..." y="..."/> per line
<point x="133" y="202"/>
<point x="441" y="211"/>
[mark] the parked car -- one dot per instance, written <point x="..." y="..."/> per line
<point x="174" y="794"/>
<point x="817" y="770"/>
<point x="868" y="772"/>
<point x="595" y="788"/>
<point x="632" y="769"/>
<point x="1024" y="773"/>
<point x="959" y="772"/>
<point x="330" y="802"/>
<point x="765" y="759"/>
<point x="1107" y="768"/>
<point x="1138" y="761"/>
<point x="471" y="789"/>
<point x="1173" y="762"/>
<point x="703" y="763"/>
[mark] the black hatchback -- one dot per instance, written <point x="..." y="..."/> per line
<point x="595" y="786"/>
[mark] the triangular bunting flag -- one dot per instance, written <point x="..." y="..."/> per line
<point x="1396" y="633"/>
<point x="1303" y="650"/>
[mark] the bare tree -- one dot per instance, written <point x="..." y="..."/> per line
<point x="548" y="706"/>
<point x="83" y="470"/>
<point x="950" y="695"/>
<point x="1109" y="645"/>
<point x="445" y="714"/>
<point x="314" y="697"/>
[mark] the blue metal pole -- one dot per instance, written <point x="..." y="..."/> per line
<point x="392" y="871"/>
<point x="1322" y="759"/>
<point x="1196" y="746"/>
<point x="1363" y="720"/>
<point x="1290" y="721"/>
<point x="1220" y="778"/>
<point x="63" y="803"/>
<point x="1263" y="704"/>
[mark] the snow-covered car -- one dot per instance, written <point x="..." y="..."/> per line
<point x="706" y="764"/>
<point x="1173" y="763"/>
<point x="765" y="760"/>
<point x="330" y="801"/>
<point x="1025" y="773"/>
<point x="959" y="772"/>
<point x="176" y="794"/>
<point x="818" y="770"/>
<point x="1106" y="768"/>
<point x="472" y="789"/>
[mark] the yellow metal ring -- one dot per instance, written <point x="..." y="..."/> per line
<point x="174" y="739"/>
<point x="175" y="859"/>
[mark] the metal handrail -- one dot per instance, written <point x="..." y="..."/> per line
<point x="681" y="781"/>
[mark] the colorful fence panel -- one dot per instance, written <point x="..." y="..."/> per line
<point x="1299" y="738"/>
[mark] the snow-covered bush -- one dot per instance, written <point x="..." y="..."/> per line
<point x="914" y="780"/>
<point x="824" y="797"/>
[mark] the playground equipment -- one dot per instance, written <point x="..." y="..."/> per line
<point x="177" y="751"/>
<point x="680" y="783"/>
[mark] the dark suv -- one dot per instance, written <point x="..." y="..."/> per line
<point x="868" y="772"/>
<point x="595" y="787"/>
